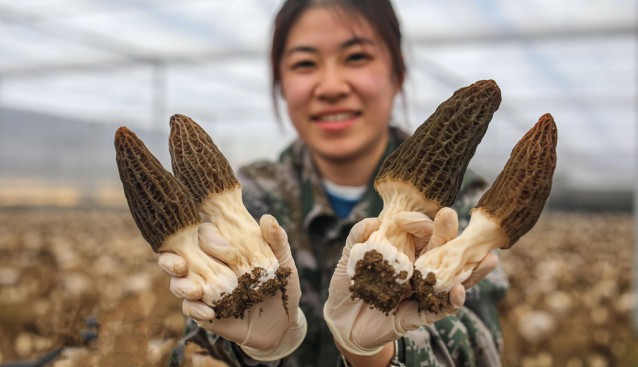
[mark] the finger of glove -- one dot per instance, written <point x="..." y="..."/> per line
<point x="456" y="299"/>
<point x="408" y="317"/>
<point x="446" y="227"/>
<point x="277" y="239"/>
<point x="417" y="224"/>
<point x="372" y="328"/>
<point x="197" y="310"/>
<point x="361" y="231"/>
<point x="486" y="266"/>
<point x="187" y="288"/>
<point x="172" y="264"/>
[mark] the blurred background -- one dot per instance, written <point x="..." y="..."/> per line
<point x="73" y="71"/>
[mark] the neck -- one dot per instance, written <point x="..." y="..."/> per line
<point x="351" y="171"/>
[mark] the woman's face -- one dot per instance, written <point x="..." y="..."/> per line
<point x="336" y="78"/>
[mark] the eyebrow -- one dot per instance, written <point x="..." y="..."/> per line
<point x="349" y="43"/>
<point x="357" y="41"/>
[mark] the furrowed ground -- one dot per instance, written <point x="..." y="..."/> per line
<point x="570" y="304"/>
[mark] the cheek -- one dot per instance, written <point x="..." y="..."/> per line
<point x="296" y="92"/>
<point x="378" y="87"/>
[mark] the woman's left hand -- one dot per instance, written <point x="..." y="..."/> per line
<point x="362" y="331"/>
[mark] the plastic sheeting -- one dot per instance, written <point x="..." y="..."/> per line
<point x="138" y="62"/>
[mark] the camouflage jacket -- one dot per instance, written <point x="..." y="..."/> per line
<point x="291" y="190"/>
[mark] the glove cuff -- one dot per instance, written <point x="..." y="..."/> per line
<point x="355" y="349"/>
<point x="290" y="341"/>
<point x="341" y="333"/>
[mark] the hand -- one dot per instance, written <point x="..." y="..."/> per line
<point x="356" y="327"/>
<point x="268" y="331"/>
<point x="362" y="331"/>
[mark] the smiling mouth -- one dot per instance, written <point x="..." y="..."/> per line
<point x="335" y="117"/>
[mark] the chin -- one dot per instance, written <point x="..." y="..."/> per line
<point x="339" y="155"/>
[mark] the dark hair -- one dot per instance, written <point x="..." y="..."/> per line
<point x="378" y="13"/>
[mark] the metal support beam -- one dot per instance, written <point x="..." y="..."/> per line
<point x="129" y="57"/>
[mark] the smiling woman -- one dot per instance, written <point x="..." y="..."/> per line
<point x="70" y="70"/>
<point x="338" y="66"/>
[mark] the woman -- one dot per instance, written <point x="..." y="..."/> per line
<point x="338" y="66"/>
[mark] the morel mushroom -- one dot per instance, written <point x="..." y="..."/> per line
<point x="423" y="174"/>
<point x="166" y="215"/>
<point x="507" y="210"/>
<point x="208" y="176"/>
<point x="168" y="219"/>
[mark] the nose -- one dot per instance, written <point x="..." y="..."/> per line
<point x="332" y="85"/>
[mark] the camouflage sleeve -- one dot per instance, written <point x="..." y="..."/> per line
<point x="253" y="195"/>
<point x="461" y="340"/>
<point x="424" y="348"/>
<point x="483" y="299"/>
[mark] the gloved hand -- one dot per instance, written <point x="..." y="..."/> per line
<point x="361" y="330"/>
<point x="266" y="332"/>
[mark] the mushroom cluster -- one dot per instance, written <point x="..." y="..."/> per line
<point x="425" y="174"/>
<point x="167" y="207"/>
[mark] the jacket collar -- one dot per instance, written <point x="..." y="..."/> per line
<point x="315" y="204"/>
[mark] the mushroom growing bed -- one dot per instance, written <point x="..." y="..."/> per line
<point x="570" y="303"/>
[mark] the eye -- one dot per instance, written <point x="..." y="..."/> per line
<point x="357" y="58"/>
<point x="303" y="65"/>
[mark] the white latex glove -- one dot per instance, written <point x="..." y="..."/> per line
<point x="364" y="331"/>
<point x="266" y="332"/>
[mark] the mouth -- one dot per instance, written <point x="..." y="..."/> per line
<point x="334" y="117"/>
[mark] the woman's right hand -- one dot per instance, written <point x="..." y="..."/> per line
<point x="268" y="331"/>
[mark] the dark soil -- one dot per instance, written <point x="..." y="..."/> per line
<point x="424" y="294"/>
<point x="375" y="282"/>
<point x="250" y="292"/>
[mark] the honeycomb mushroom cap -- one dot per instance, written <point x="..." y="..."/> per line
<point x="435" y="157"/>
<point x="196" y="160"/>
<point x="518" y="195"/>
<point x="159" y="203"/>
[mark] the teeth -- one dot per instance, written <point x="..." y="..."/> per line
<point x="337" y="116"/>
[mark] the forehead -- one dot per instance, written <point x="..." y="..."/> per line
<point x="323" y="26"/>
